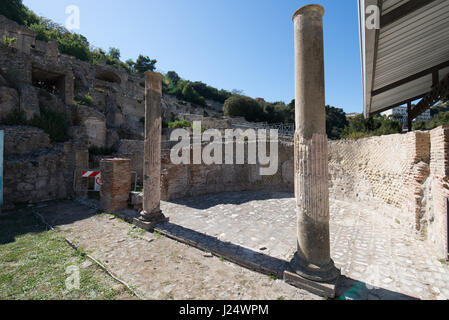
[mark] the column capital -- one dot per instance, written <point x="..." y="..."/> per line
<point x="308" y="9"/>
<point x="153" y="80"/>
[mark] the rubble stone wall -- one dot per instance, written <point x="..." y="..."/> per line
<point x="36" y="171"/>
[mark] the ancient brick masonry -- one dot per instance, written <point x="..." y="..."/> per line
<point x="439" y="170"/>
<point x="409" y="172"/>
<point x="418" y="149"/>
<point x="116" y="184"/>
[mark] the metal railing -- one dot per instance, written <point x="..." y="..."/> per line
<point x="287" y="130"/>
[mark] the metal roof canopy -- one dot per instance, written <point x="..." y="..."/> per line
<point x="408" y="55"/>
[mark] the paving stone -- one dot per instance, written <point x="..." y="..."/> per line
<point x="362" y="235"/>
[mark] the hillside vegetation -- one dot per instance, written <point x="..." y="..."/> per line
<point x="197" y="93"/>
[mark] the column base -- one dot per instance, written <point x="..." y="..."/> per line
<point x="322" y="289"/>
<point x="149" y="221"/>
<point x="320" y="280"/>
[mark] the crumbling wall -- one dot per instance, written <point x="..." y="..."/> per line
<point x="408" y="171"/>
<point x="434" y="216"/>
<point x="179" y="181"/>
<point x="35" y="170"/>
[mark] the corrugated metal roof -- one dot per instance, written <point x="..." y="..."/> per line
<point x="389" y="5"/>
<point x="409" y="45"/>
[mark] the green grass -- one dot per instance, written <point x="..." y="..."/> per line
<point x="444" y="261"/>
<point x="33" y="263"/>
<point x="157" y="234"/>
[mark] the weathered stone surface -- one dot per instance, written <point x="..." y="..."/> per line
<point x="9" y="100"/>
<point x="21" y="140"/>
<point x="134" y="150"/>
<point x="29" y="101"/>
<point x="116" y="184"/>
<point x="379" y="258"/>
<point x="161" y="268"/>
<point x="312" y="261"/>
<point x="152" y="148"/>
<point x="112" y="138"/>
<point x="24" y="36"/>
<point x="93" y="125"/>
<point x="51" y="102"/>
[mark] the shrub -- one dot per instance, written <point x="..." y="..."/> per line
<point x="357" y="135"/>
<point x="359" y="127"/>
<point x="15" y="118"/>
<point x="85" y="101"/>
<point x="440" y="119"/>
<point x="8" y="41"/>
<point x="179" y="124"/>
<point x="242" y="106"/>
<point x="55" y="124"/>
<point x="189" y="94"/>
<point x="69" y="43"/>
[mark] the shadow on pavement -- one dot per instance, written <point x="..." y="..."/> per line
<point x="225" y="198"/>
<point x="67" y="212"/>
<point x="350" y="289"/>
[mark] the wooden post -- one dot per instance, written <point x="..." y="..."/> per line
<point x="409" y="117"/>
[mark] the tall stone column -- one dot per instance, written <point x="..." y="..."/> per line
<point x="312" y="265"/>
<point x="152" y="214"/>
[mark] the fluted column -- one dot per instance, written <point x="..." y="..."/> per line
<point x="312" y="261"/>
<point x="152" y="213"/>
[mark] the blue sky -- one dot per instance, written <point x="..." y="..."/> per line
<point x="229" y="44"/>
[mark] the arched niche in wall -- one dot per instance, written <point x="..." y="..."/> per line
<point x="108" y="76"/>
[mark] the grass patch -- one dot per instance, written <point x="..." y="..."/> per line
<point x="55" y="124"/>
<point x="179" y="124"/>
<point x="157" y="234"/>
<point x="34" y="260"/>
<point x="444" y="261"/>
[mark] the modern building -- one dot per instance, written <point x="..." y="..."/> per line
<point x="352" y="115"/>
<point x="402" y="115"/>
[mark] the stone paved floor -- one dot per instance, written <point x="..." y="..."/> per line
<point x="158" y="267"/>
<point x="377" y="255"/>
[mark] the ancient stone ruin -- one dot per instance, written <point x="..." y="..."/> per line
<point x="115" y="126"/>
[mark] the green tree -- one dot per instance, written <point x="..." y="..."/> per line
<point x="114" y="53"/>
<point x="336" y="121"/>
<point x="172" y="77"/>
<point x="242" y="106"/>
<point x="190" y="94"/>
<point x="440" y="119"/>
<point x="130" y="64"/>
<point x="359" y="127"/>
<point x="144" y="64"/>
<point x="69" y="43"/>
<point x="14" y="10"/>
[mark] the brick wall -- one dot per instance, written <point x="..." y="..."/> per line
<point x="116" y="184"/>
<point x="435" y="216"/>
<point x="407" y="171"/>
